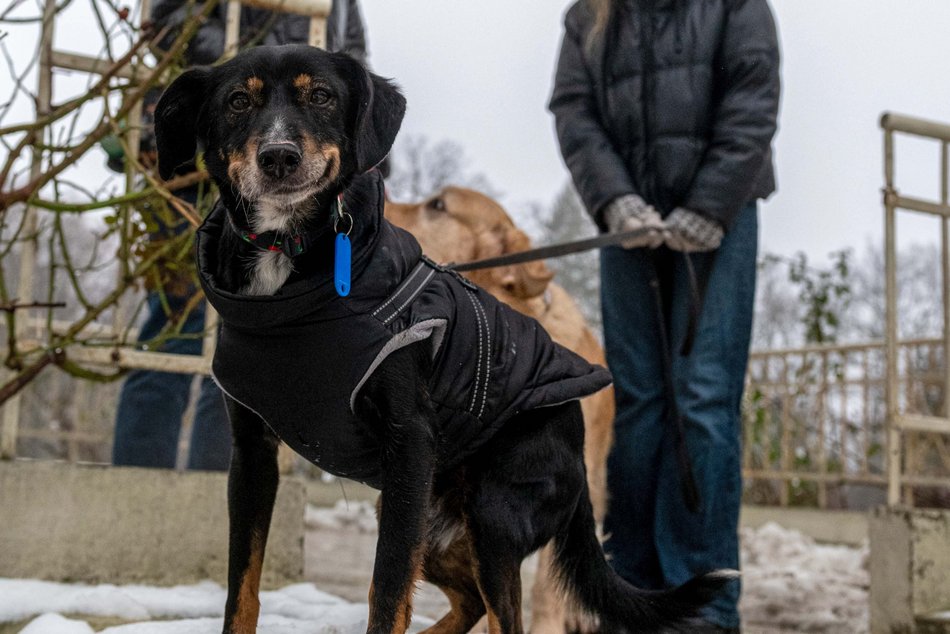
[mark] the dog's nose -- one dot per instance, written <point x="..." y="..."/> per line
<point x="278" y="160"/>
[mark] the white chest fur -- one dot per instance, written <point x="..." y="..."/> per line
<point x="271" y="269"/>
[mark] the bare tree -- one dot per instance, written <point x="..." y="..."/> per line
<point x="579" y="274"/>
<point x="777" y="322"/>
<point x="919" y="293"/>
<point x="419" y="168"/>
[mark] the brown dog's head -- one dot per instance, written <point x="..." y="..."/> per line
<point x="280" y="126"/>
<point x="462" y="225"/>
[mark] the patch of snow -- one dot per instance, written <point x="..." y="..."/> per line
<point x="191" y="609"/>
<point x="790" y="581"/>
<point x="22" y="598"/>
<point x="56" y="624"/>
<point x="267" y="624"/>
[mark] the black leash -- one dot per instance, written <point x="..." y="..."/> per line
<point x="688" y="481"/>
<point x="551" y="251"/>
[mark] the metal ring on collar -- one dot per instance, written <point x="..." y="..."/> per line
<point x="336" y="221"/>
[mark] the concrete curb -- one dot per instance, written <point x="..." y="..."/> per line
<point x="66" y="522"/>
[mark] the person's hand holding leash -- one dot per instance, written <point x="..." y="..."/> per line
<point x="689" y="231"/>
<point x="630" y="212"/>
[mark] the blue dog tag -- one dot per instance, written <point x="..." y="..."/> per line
<point x="341" y="264"/>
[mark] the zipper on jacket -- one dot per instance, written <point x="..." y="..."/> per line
<point x="648" y="61"/>
<point x="679" y="17"/>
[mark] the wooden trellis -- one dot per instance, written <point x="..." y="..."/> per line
<point x="29" y="328"/>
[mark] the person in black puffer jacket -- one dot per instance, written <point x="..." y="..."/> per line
<point x="151" y="404"/>
<point x="345" y="31"/>
<point x="665" y="112"/>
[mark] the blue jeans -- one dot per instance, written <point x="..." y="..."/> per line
<point x="151" y="405"/>
<point x="654" y="540"/>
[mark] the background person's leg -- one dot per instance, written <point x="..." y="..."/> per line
<point x="151" y="404"/>
<point x="709" y="384"/>
<point x="633" y="356"/>
<point x="210" y="448"/>
<point x="210" y="445"/>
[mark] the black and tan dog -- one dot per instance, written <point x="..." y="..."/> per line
<point x="399" y="374"/>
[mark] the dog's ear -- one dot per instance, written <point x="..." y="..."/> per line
<point x="523" y="280"/>
<point x="378" y="117"/>
<point x="176" y="120"/>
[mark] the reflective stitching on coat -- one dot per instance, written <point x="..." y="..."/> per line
<point x="395" y="295"/>
<point x="487" y="357"/>
<point x="478" y="364"/>
<point x="411" y="297"/>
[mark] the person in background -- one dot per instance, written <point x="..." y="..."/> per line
<point x="665" y="112"/>
<point x="152" y="404"/>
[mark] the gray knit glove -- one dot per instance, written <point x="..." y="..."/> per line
<point x="689" y="231"/>
<point x="630" y="212"/>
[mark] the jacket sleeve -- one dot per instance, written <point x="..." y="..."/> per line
<point x="208" y="43"/>
<point x="597" y="169"/>
<point x="354" y="41"/>
<point x="745" y="114"/>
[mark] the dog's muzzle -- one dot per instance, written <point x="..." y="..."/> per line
<point x="279" y="160"/>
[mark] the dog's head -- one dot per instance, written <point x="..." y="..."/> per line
<point x="462" y="225"/>
<point x="279" y="125"/>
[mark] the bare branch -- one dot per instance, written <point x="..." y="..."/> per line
<point x="25" y="192"/>
<point x="9" y="307"/>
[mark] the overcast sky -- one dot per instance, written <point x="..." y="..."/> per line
<point x="479" y="73"/>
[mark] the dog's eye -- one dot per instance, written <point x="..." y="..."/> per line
<point x="239" y="101"/>
<point x="436" y="204"/>
<point x="320" y="97"/>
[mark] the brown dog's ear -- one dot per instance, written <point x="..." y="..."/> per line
<point x="523" y="280"/>
<point x="378" y="117"/>
<point x="177" y="132"/>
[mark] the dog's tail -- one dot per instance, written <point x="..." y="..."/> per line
<point x="586" y="576"/>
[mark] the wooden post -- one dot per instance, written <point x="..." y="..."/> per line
<point x="891" y="391"/>
<point x="44" y="96"/>
<point x="318" y="10"/>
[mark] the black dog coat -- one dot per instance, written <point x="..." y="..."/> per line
<point x="298" y="358"/>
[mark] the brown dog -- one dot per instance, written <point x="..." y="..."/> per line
<point x="462" y="225"/>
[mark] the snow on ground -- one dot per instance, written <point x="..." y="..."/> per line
<point x="49" y="623"/>
<point x="194" y="609"/>
<point x="790" y="584"/>
<point x="789" y="581"/>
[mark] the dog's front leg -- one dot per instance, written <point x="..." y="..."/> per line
<point x="397" y="399"/>
<point x="252" y="488"/>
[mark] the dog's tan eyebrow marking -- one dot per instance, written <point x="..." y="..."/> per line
<point x="254" y="84"/>
<point x="302" y="81"/>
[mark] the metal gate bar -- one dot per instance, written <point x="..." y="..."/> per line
<point x="898" y="421"/>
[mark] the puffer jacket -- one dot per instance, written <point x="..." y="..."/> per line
<point x="345" y="32"/>
<point x="299" y="358"/>
<point x="676" y="102"/>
